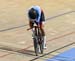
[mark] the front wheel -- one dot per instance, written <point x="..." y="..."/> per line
<point x="36" y="48"/>
<point x="41" y="46"/>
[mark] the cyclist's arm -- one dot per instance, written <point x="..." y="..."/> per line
<point x="30" y="25"/>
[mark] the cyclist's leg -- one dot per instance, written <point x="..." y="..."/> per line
<point x="43" y="34"/>
<point x="42" y="23"/>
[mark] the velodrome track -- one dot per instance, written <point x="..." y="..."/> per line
<point x="16" y="42"/>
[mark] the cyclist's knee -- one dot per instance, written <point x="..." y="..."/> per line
<point x="43" y="32"/>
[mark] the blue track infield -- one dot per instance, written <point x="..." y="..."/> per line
<point x="65" y="56"/>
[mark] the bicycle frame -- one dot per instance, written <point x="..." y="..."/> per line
<point x="38" y="41"/>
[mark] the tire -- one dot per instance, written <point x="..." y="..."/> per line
<point x="41" y="46"/>
<point x="36" y="46"/>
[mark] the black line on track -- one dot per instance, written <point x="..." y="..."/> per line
<point x="55" y="16"/>
<point x="52" y="51"/>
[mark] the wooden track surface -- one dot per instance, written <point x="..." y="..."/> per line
<point x="16" y="42"/>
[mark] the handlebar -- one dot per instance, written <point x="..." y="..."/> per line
<point x="33" y="27"/>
